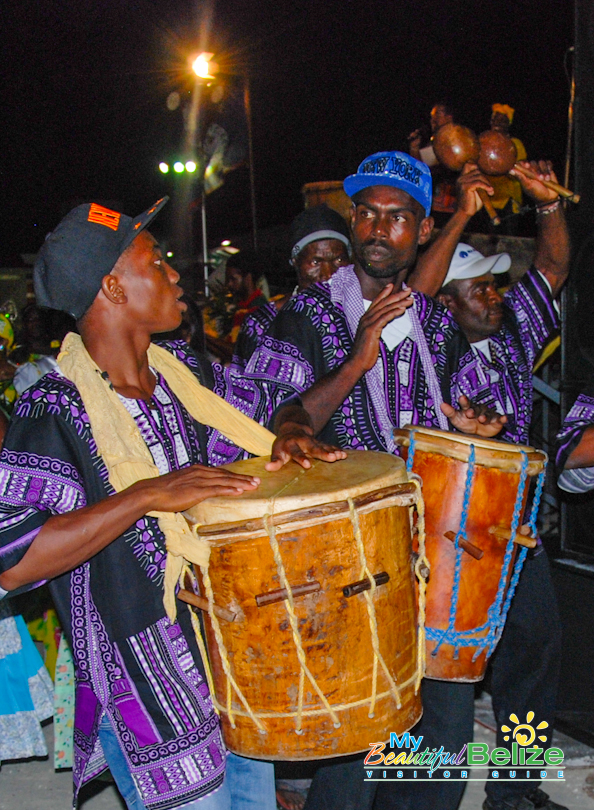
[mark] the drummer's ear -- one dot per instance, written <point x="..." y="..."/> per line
<point x="425" y="229"/>
<point x="446" y="298"/>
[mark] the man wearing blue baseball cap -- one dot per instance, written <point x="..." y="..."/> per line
<point x="367" y="355"/>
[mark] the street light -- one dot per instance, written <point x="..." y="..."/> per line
<point x="178" y="167"/>
<point x="203" y="67"/>
<point x="190" y="166"/>
<point x="164" y="167"/>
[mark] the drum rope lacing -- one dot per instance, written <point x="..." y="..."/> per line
<point x="290" y="607"/>
<point x="487" y="635"/>
<point x="369" y="595"/>
<point x="521" y="556"/>
<point x="225" y="658"/>
<point x="304" y="670"/>
<point x="422" y="568"/>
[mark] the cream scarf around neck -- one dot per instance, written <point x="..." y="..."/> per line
<point x="126" y="454"/>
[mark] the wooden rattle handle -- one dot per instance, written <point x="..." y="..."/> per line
<point x="561" y="190"/>
<point x="493" y="215"/>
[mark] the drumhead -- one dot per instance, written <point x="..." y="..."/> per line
<point x="293" y="488"/>
<point x="488" y="452"/>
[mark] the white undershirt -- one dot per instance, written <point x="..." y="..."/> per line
<point x="482" y="346"/>
<point x="394" y="333"/>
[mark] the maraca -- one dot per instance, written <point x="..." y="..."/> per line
<point x="455" y="145"/>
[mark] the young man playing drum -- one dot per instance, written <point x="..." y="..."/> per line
<point x="369" y="354"/>
<point x="98" y="460"/>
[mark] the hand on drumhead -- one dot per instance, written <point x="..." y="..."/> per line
<point x="296" y="442"/>
<point x="474" y="419"/>
<point x="185" y="488"/>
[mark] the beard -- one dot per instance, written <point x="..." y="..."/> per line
<point x="391" y="263"/>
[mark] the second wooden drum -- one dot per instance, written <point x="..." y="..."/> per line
<point x="475" y="492"/>
<point x="315" y="662"/>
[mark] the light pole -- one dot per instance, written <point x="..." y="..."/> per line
<point x="206" y="69"/>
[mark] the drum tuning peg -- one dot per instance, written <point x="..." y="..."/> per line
<point x="200" y="602"/>
<point x="521" y="539"/>
<point x="280" y="594"/>
<point x="365" y="584"/>
<point x="468" y="547"/>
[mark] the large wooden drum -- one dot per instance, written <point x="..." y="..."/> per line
<point x="317" y="661"/>
<point x="475" y="493"/>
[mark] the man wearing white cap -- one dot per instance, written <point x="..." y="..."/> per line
<point x="491" y="362"/>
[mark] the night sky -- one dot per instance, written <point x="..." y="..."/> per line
<point x="85" y="88"/>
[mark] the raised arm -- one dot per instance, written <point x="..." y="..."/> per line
<point x="553" y="248"/>
<point x="432" y="266"/>
<point x="328" y="393"/>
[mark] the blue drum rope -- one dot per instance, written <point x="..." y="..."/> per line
<point x="523" y="552"/>
<point x="450" y="635"/>
<point x="497" y="614"/>
<point x="410" y="458"/>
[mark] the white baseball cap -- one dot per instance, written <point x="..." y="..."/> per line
<point x="469" y="263"/>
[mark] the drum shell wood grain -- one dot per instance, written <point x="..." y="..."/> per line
<point x="335" y="633"/>
<point x="492" y="501"/>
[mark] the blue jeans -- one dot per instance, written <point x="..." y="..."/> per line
<point x="248" y="785"/>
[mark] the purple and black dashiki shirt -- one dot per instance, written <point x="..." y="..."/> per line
<point x="500" y="375"/>
<point x="131" y="662"/>
<point x="253" y="331"/>
<point x="311" y="336"/>
<point x="580" y="417"/>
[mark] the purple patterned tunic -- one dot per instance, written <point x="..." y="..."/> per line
<point x="580" y="417"/>
<point x="504" y="380"/>
<point x="131" y="662"/>
<point x="311" y="336"/>
<point x="253" y="331"/>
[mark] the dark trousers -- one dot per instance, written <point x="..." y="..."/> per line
<point x="339" y="785"/>
<point x="448" y="717"/>
<point x="525" y="666"/>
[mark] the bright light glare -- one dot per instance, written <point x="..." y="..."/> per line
<point x="178" y="167"/>
<point x="164" y="167"/>
<point x="202" y="65"/>
<point x="225" y="243"/>
<point x="190" y="166"/>
<point x="169" y="254"/>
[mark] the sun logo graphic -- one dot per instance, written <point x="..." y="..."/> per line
<point x="524" y="733"/>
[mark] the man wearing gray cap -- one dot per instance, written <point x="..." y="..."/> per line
<point x="319" y="246"/>
<point x="99" y="459"/>
<point x="491" y="361"/>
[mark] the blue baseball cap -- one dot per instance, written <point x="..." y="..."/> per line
<point x="393" y="169"/>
